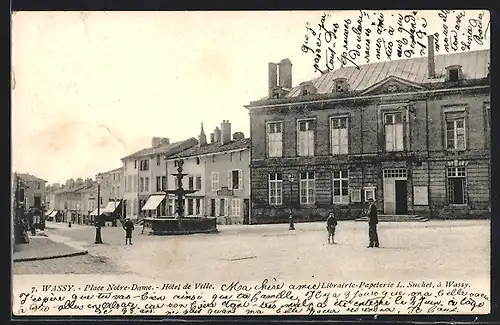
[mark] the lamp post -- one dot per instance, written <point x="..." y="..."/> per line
<point x="114" y="211"/>
<point x="98" y="238"/>
<point x="291" y="179"/>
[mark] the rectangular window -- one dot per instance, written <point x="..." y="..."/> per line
<point x="355" y="195"/>
<point x="125" y="188"/>
<point x="457" y="185"/>
<point x="141" y="184"/>
<point x="164" y="183"/>
<point x="305" y="137"/>
<point x="158" y="160"/>
<point x="369" y="193"/>
<point x="275" y="189"/>
<point x="235" y="179"/>
<point x="158" y="183"/>
<point x="274" y="139"/>
<point x="341" y="186"/>
<point x="198" y="183"/>
<point x="307" y="188"/>
<point x="215" y="181"/>
<point x="393" y="123"/>
<point x="231" y="157"/>
<point x="235" y="207"/>
<point x="455" y="130"/>
<point x="339" y="135"/>
<point x="191" y="182"/>
<point x="131" y="184"/>
<point x="135" y="164"/>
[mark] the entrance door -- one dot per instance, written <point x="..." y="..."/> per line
<point x="389" y="196"/>
<point x="212" y="207"/>
<point x="395" y="192"/>
<point x="401" y="197"/>
<point x="246" y="211"/>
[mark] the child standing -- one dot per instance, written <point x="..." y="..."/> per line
<point x="331" y="224"/>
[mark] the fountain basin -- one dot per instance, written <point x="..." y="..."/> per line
<point x="165" y="226"/>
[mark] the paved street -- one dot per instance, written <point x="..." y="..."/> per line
<point x="435" y="249"/>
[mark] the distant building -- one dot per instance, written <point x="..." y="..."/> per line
<point x="411" y="134"/>
<point x="35" y="192"/>
<point x="219" y="171"/>
<point x="141" y="169"/>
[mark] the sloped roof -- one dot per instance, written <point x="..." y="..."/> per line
<point x="163" y="149"/>
<point x="112" y="171"/>
<point x="474" y="64"/>
<point x="212" y="148"/>
<point x="30" y="178"/>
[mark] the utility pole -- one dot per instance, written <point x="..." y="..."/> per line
<point x="98" y="238"/>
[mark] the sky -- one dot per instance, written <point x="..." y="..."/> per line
<point x="89" y="88"/>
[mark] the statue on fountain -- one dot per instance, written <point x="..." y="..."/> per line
<point x="181" y="225"/>
<point x="180" y="192"/>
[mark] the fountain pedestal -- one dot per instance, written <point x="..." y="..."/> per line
<point x="181" y="225"/>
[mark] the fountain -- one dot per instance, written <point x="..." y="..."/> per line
<point x="181" y="225"/>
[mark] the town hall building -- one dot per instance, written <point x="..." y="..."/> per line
<point x="411" y="134"/>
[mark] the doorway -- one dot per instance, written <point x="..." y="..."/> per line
<point x="246" y="211"/>
<point x="401" y="196"/>
<point x="212" y="207"/>
<point x="395" y="191"/>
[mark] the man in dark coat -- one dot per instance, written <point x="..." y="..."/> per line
<point x="372" y="224"/>
<point x="128" y="226"/>
<point x="331" y="224"/>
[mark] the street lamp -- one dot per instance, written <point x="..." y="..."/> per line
<point x="98" y="238"/>
<point x="291" y="179"/>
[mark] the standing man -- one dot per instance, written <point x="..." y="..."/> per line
<point x="128" y="226"/>
<point x="331" y="224"/>
<point x="372" y="224"/>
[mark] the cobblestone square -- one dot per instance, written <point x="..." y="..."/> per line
<point x="409" y="251"/>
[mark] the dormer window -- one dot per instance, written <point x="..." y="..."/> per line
<point x="454" y="73"/>
<point x="276" y="94"/>
<point x="340" y="85"/>
<point x="307" y="88"/>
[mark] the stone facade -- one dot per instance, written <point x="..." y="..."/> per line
<point x="421" y="176"/>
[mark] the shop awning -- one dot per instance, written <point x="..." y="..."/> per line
<point x="94" y="213"/>
<point x="48" y="213"/>
<point x="111" y="207"/>
<point x="153" y="202"/>
<point x="53" y="213"/>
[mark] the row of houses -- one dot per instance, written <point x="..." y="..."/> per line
<point x="413" y="135"/>
<point x="217" y="168"/>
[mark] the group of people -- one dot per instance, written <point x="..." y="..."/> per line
<point x="331" y="225"/>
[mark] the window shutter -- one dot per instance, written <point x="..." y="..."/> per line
<point x="230" y="179"/>
<point x="389" y="138"/>
<point x="240" y="179"/>
<point x="344" y="142"/>
<point x="226" y="207"/>
<point x="398" y="141"/>
<point x="335" y="140"/>
<point x="310" y="142"/>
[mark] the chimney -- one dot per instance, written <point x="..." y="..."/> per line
<point x="285" y="73"/>
<point x="212" y="138"/>
<point x="431" y="68"/>
<point x="202" y="139"/>
<point x="155" y="142"/>
<point x="217" y="135"/>
<point x="225" y="127"/>
<point x="238" y="136"/>
<point x="273" y="77"/>
<point x="164" y="141"/>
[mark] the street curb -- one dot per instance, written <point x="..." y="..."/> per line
<point x="51" y="257"/>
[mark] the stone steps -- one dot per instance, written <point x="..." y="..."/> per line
<point x="396" y="218"/>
